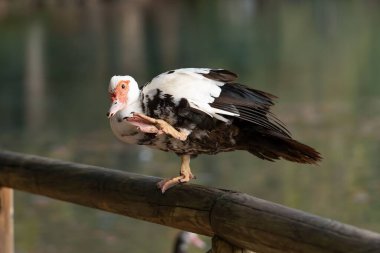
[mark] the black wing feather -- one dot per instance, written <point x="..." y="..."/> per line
<point x="246" y="96"/>
<point x="251" y="105"/>
<point x="263" y="134"/>
<point x="221" y="75"/>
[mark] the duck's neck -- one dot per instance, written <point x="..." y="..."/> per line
<point x="133" y="94"/>
<point x="134" y="101"/>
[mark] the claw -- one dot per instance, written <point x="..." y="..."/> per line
<point x="169" y="183"/>
<point x="183" y="180"/>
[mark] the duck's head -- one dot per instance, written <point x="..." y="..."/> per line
<point x="122" y="90"/>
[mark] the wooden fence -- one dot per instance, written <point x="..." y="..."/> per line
<point x="236" y="221"/>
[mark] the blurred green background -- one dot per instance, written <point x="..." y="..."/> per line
<point x="321" y="58"/>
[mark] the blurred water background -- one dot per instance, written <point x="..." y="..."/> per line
<point x="321" y="58"/>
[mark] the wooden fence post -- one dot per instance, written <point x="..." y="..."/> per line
<point x="6" y="220"/>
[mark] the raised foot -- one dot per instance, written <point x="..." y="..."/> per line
<point x="162" y="126"/>
<point x="142" y="124"/>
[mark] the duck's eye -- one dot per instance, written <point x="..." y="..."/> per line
<point x="123" y="86"/>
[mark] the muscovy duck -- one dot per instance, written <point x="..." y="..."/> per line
<point x="194" y="111"/>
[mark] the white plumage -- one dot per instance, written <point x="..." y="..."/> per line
<point x="187" y="83"/>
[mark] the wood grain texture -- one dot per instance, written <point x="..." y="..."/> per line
<point x="237" y="218"/>
<point x="6" y="220"/>
<point x="269" y="227"/>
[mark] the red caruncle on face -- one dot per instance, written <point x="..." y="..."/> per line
<point x="120" y="92"/>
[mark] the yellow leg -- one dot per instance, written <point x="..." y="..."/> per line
<point x="163" y="126"/>
<point x="185" y="175"/>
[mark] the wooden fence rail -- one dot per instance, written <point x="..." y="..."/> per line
<point x="237" y="218"/>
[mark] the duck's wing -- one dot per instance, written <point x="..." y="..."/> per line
<point x="215" y="93"/>
<point x="251" y="105"/>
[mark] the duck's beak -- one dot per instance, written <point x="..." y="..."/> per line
<point x="115" y="107"/>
